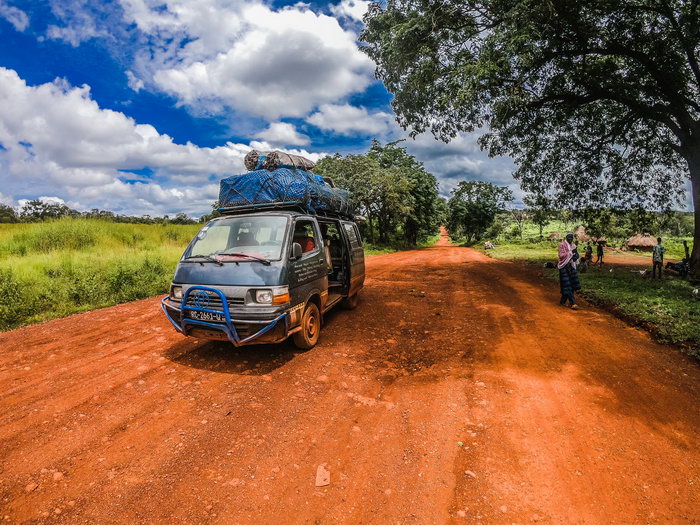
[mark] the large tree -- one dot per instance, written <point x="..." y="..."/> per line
<point x="598" y="99"/>
<point x="357" y="174"/>
<point x="38" y="210"/>
<point x="7" y="214"/>
<point x="391" y="188"/>
<point x="424" y="217"/>
<point x="474" y="206"/>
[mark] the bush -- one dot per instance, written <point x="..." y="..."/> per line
<point x="15" y="301"/>
<point x="496" y="229"/>
<point x="87" y="287"/>
<point x="129" y="283"/>
<point x="513" y="232"/>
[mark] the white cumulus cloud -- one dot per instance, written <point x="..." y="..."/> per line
<point x="134" y="82"/>
<point x="284" y="134"/>
<point x="248" y="56"/>
<point x="350" y="120"/>
<point x="462" y="159"/>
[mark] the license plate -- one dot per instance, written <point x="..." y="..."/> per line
<point x="206" y="316"/>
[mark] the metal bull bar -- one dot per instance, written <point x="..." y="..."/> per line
<point x="200" y="305"/>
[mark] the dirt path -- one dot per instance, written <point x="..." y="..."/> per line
<point x="459" y="391"/>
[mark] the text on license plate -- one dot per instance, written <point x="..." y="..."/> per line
<point x="206" y="316"/>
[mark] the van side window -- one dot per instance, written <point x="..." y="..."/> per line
<point x="359" y="237"/>
<point x="351" y="231"/>
<point x="305" y="235"/>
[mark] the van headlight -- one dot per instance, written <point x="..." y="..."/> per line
<point x="176" y="293"/>
<point x="277" y="295"/>
<point x="263" y="296"/>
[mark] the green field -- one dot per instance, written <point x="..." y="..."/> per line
<point x="669" y="308"/>
<point x="53" y="269"/>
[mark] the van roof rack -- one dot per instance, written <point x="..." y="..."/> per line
<point x="281" y="206"/>
<point x="263" y="206"/>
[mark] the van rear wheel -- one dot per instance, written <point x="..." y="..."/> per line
<point x="307" y="337"/>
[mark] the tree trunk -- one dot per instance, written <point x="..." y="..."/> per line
<point x="694" y="168"/>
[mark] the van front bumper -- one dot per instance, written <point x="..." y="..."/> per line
<point x="239" y="331"/>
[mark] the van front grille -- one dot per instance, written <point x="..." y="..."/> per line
<point x="214" y="301"/>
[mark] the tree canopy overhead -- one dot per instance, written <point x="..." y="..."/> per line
<point x="597" y="100"/>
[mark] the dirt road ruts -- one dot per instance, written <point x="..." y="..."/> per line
<point x="458" y="391"/>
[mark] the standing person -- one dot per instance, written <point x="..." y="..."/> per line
<point x="599" y="253"/>
<point x="568" y="276"/>
<point x="658" y="258"/>
<point x="587" y="259"/>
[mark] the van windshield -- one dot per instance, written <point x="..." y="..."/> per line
<point x="260" y="237"/>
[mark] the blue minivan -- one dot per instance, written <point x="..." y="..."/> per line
<point x="260" y="277"/>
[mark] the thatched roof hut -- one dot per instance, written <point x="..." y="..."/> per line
<point x="554" y="236"/>
<point x="641" y="242"/>
<point x="581" y="234"/>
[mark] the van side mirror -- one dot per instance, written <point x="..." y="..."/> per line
<point x="296" y="250"/>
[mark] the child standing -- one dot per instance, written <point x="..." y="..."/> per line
<point x="599" y="253"/>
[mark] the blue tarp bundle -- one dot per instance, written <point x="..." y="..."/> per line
<point x="284" y="187"/>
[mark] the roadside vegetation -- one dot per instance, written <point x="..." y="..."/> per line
<point x="372" y="249"/>
<point x="56" y="268"/>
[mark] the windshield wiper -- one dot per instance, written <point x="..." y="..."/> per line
<point x="207" y="257"/>
<point x="241" y="254"/>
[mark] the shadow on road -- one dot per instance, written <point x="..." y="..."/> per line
<point x="224" y="358"/>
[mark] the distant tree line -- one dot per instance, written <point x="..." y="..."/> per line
<point x="393" y="191"/>
<point x="38" y="210"/>
<point x="481" y="210"/>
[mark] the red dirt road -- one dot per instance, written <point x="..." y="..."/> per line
<point x="458" y="392"/>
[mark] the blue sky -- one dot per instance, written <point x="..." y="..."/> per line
<point x="141" y="106"/>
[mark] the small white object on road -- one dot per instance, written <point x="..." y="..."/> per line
<point x="323" y="476"/>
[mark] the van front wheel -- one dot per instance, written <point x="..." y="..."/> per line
<point x="307" y="337"/>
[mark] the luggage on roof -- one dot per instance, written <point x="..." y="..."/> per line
<point x="255" y="160"/>
<point x="283" y="187"/>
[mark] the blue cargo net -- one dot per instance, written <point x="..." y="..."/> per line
<point x="283" y="187"/>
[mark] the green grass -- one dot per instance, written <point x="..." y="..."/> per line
<point x="541" y="251"/>
<point x="54" y="269"/>
<point x="669" y="307"/>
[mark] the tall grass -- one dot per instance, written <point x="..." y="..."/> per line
<point x="53" y="269"/>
